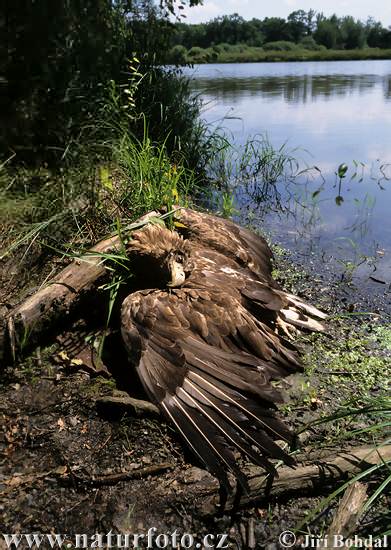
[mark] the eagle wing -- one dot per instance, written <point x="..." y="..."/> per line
<point x="209" y="365"/>
<point x="251" y="260"/>
<point x="238" y="243"/>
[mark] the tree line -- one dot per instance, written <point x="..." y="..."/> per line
<point x="300" y="27"/>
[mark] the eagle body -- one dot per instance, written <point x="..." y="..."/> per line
<point x="203" y="335"/>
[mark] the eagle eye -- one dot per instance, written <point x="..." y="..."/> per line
<point x="180" y="257"/>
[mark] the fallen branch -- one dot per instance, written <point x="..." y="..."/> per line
<point x="311" y="478"/>
<point x="113" y="479"/>
<point x="347" y="515"/>
<point x="116" y="405"/>
<point x="57" y="300"/>
<point x="198" y="491"/>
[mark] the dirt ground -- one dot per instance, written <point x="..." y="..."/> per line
<point x="69" y="464"/>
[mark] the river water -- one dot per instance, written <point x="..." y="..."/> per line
<point x="326" y="114"/>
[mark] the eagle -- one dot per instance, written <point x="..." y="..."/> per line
<point x="209" y="334"/>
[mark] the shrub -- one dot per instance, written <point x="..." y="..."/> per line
<point x="280" y="46"/>
<point x="196" y="51"/>
<point x="217" y="48"/>
<point x="178" y="55"/>
<point x="308" y="43"/>
<point x="224" y="46"/>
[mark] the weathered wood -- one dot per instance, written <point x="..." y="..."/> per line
<point x="55" y="301"/>
<point x="113" y="479"/>
<point x="347" y="515"/>
<point x="313" y="477"/>
<point x="116" y="405"/>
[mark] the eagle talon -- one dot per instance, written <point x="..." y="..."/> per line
<point x="286" y="329"/>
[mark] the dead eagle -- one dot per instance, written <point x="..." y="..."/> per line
<point x="204" y="338"/>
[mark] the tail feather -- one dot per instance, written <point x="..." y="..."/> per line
<point x="229" y="432"/>
<point x="204" y="440"/>
<point x="302" y="315"/>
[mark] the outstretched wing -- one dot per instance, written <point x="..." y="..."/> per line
<point x="209" y="365"/>
<point x="228" y="254"/>
<point x="238" y="243"/>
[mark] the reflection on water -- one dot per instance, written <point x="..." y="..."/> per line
<point x="329" y="113"/>
<point x="292" y="89"/>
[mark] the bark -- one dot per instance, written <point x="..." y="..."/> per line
<point x="347" y="515"/>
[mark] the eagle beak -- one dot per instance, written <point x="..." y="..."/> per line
<point x="177" y="274"/>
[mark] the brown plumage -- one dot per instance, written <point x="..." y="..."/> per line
<point x="204" y="338"/>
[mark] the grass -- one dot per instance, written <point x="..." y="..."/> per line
<point x="114" y="181"/>
<point x="377" y="411"/>
<point x="350" y="380"/>
<point x="118" y="178"/>
<point x="255" y="169"/>
<point x="252" y="54"/>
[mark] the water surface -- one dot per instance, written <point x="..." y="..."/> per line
<point x="329" y="113"/>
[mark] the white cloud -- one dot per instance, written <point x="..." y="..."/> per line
<point x="203" y="13"/>
<point x="379" y="9"/>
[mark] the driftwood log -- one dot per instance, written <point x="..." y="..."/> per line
<point x="55" y="302"/>
<point x="315" y="477"/>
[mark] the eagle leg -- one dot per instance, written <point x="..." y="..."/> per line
<point x="223" y="497"/>
<point x="286" y="329"/>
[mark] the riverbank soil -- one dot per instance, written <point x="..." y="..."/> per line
<point x="71" y="464"/>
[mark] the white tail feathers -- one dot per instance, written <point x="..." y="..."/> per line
<point x="302" y="315"/>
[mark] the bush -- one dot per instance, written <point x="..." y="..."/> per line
<point x="178" y="55"/>
<point x="280" y="46"/>
<point x="165" y="100"/>
<point x="224" y="46"/>
<point x="201" y="55"/>
<point x="196" y="51"/>
<point x="308" y="43"/>
<point x="217" y="48"/>
<point x="211" y="55"/>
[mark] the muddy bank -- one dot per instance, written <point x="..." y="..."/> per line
<point x="71" y="466"/>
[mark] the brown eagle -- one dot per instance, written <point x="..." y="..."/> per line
<point x="207" y="338"/>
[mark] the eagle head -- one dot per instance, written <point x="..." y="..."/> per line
<point x="161" y="254"/>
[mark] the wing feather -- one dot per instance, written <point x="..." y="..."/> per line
<point x="236" y="242"/>
<point x="247" y="266"/>
<point x="203" y="360"/>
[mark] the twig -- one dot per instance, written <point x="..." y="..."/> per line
<point x="113" y="479"/>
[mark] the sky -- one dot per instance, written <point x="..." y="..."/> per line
<point x="360" y="9"/>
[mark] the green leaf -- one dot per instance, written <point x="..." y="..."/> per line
<point x="342" y="169"/>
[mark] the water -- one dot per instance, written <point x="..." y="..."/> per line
<point x="330" y="113"/>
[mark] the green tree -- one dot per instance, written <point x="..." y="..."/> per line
<point x="377" y="36"/>
<point x="298" y="25"/>
<point x="326" y="32"/>
<point x="60" y="55"/>
<point x="352" y="33"/>
<point x="275" y="29"/>
<point x="227" y="28"/>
